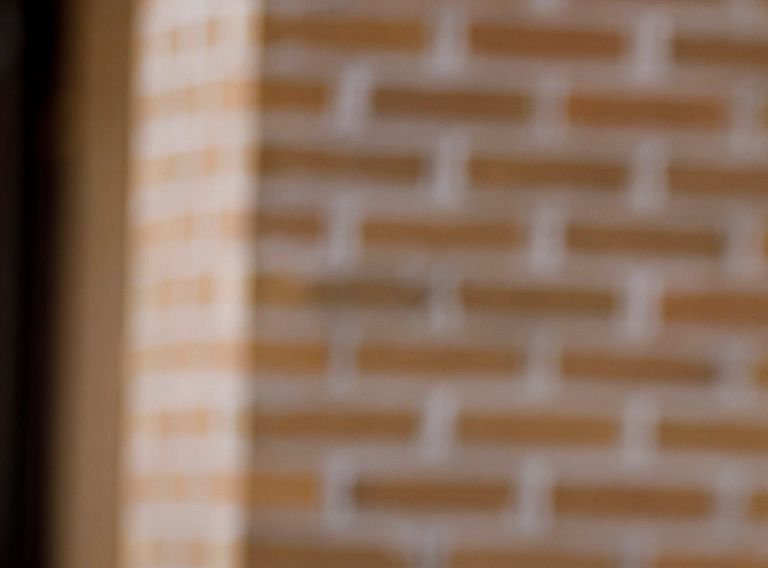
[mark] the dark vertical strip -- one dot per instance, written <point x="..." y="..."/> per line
<point x="30" y="39"/>
<point x="10" y="274"/>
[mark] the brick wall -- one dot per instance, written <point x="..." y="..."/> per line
<point x="510" y="285"/>
<point x="185" y="470"/>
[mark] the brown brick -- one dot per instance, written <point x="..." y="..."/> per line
<point x="645" y="241"/>
<point x="321" y="555"/>
<point x="539" y="429"/>
<point x="539" y="41"/>
<point x="284" y="490"/>
<point x="299" y="226"/>
<point x="346" y="34"/>
<point x="453" y="104"/>
<point x="712" y="307"/>
<point x="536" y="173"/>
<point x="713" y="436"/>
<point x="281" y="358"/>
<point x="721" y="51"/>
<point x="649" y="111"/>
<point x="711" y="561"/>
<point x="432" y="495"/>
<point x="706" y="180"/>
<point x="539" y="301"/>
<point x="437" y="360"/>
<point x="294" y="291"/>
<point x="632" y="501"/>
<point x="386" y="168"/>
<point x="761" y="372"/>
<point x="440" y="235"/>
<point x="528" y="558"/>
<point x="295" y="95"/>
<point x="758" y="507"/>
<point x="305" y="358"/>
<point x="630" y="368"/>
<point x="339" y="424"/>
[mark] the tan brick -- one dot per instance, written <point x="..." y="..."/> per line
<point x="294" y="291"/>
<point x="346" y="424"/>
<point x="537" y="173"/>
<point x="437" y="360"/>
<point x="234" y="225"/>
<point x="194" y="422"/>
<point x="151" y="235"/>
<point x="284" y="490"/>
<point x="186" y="356"/>
<point x="193" y="553"/>
<point x="189" y="487"/>
<point x="707" y="180"/>
<point x="197" y="291"/>
<point x="694" y="560"/>
<point x="237" y="225"/>
<point x="298" y="226"/>
<point x="440" y="235"/>
<point x="632" y="501"/>
<point x="432" y="495"/>
<point x="716" y="307"/>
<point x="539" y="301"/>
<point x="320" y="555"/>
<point x="387" y="168"/>
<point x="155" y="487"/>
<point x="721" y="51"/>
<point x="537" y="429"/>
<point x="505" y="40"/>
<point x="713" y="436"/>
<point x="529" y="558"/>
<point x="645" y="241"/>
<point x="295" y="95"/>
<point x="646" y="111"/>
<point x="207" y="97"/>
<point x="616" y="367"/>
<point x="347" y="34"/>
<point x="453" y="104"/>
<point x="188" y="165"/>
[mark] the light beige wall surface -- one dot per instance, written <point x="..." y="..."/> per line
<point x="192" y="203"/>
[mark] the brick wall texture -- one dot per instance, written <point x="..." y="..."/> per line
<point x="194" y="136"/>
<point x="506" y="304"/>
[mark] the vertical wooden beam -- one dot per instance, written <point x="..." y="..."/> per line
<point x="90" y="303"/>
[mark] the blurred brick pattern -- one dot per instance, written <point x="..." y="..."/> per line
<point x="509" y="285"/>
<point x="187" y="483"/>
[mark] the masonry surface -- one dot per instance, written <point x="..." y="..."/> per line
<point x="508" y="291"/>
